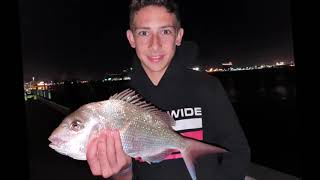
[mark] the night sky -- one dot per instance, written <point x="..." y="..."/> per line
<point x="66" y="39"/>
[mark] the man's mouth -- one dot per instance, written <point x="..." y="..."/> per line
<point x="155" y="58"/>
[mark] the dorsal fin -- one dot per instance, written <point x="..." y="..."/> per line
<point x="132" y="97"/>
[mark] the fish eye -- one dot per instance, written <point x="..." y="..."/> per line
<point x="76" y="125"/>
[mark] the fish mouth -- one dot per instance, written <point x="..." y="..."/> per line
<point x="54" y="146"/>
<point x="57" y="145"/>
<point x="55" y="142"/>
<point x="62" y="150"/>
<point x="58" y="149"/>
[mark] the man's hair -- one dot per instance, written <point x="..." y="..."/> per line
<point x="170" y="5"/>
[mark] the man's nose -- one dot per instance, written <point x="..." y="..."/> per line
<point x="155" y="42"/>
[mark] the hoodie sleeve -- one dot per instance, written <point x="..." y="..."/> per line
<point x="221" y="126"/>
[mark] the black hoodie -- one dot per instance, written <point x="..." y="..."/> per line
<point x="202" y="110"/>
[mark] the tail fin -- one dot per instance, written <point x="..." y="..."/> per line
<point x="194" y="150"/>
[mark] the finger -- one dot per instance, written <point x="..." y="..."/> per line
<point x="102" y="156"/>
<point x="92" y="158"/>
<point x="111" y="151"/>
<point x="121" y="156"/>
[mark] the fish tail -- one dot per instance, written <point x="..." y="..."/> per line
<point x="189" y="161"/>
<point x="194" y="150"/>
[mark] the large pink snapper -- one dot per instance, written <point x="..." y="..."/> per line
<point x="145" y="131"/>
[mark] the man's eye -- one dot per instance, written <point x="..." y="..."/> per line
<point x="143" y="33"/>
<point x="166" y="32"/>
<point x="76" y="125"/>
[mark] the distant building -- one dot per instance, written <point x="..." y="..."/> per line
<point x="117" y="76"/>
<point x="281" y="63"/>
<point x="227" y="66"/>
<point x="42" y="85"/>
<point x="32" y="85"/>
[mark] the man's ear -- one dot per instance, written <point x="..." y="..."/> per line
<point x="179" y="36"/>
<point x="131" y="38"/>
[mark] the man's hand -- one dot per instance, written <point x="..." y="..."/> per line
<point x="106" y="157"/>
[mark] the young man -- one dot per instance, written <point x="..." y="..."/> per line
<point x="196" y="100"/>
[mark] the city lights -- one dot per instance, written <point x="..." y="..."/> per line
<point x="224" y="67"/>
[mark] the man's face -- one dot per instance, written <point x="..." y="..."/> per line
<point x="154" y="36"/>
